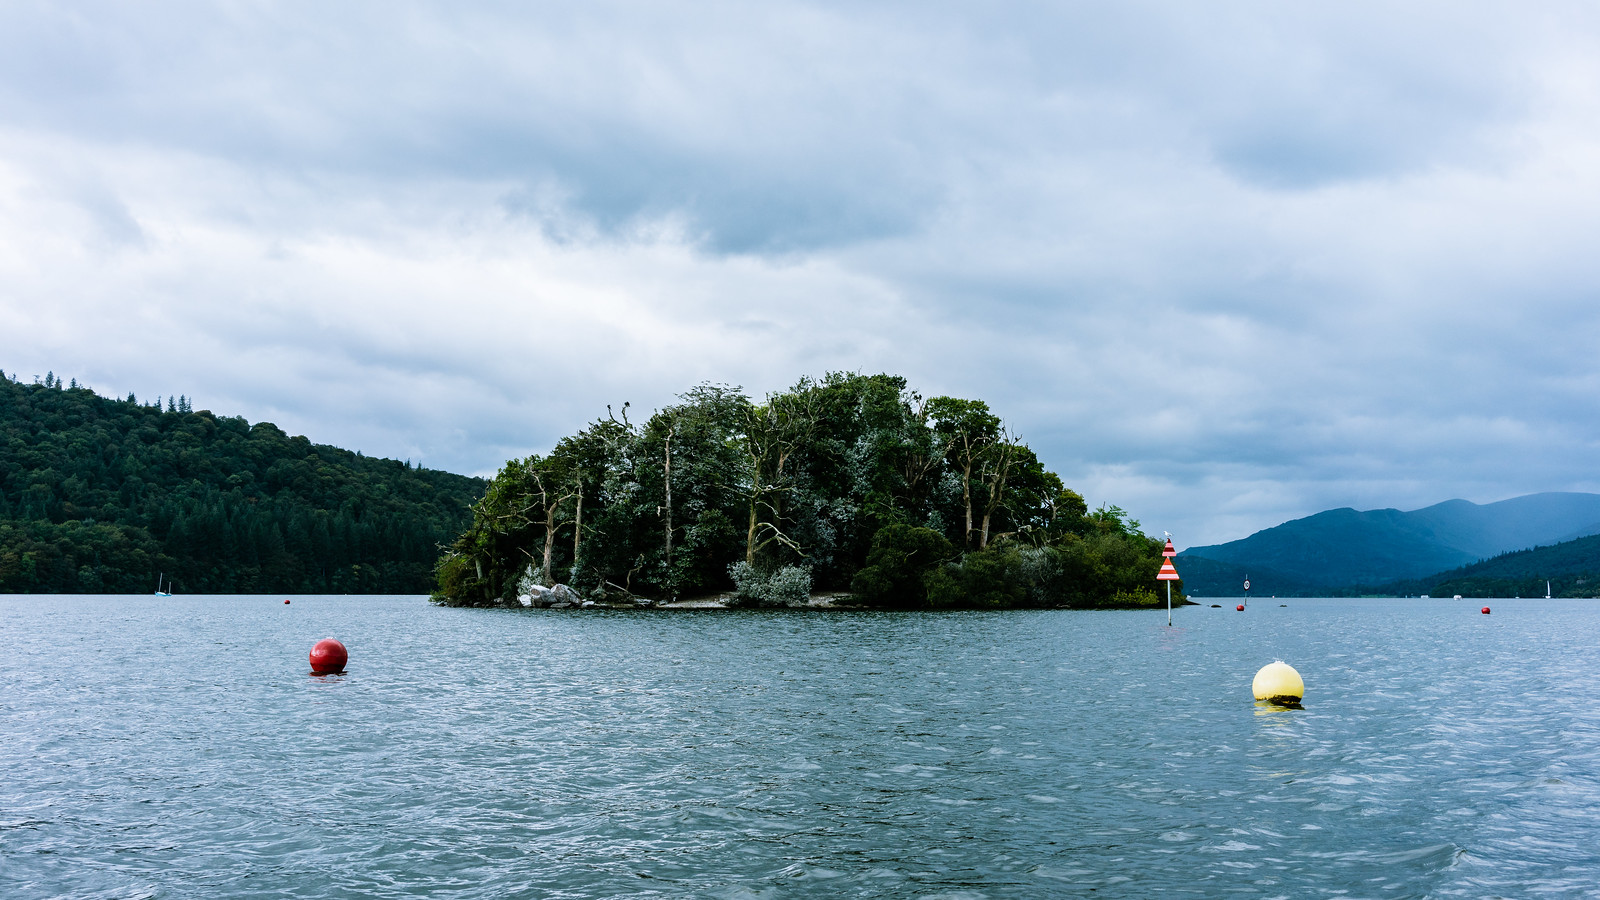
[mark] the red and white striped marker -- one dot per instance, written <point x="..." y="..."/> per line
<point x="1169" y="574"/>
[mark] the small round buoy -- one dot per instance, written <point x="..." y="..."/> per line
<point x="1279" y="683"/>
<point x="1486" y="610"/>
<point x="285" y="603"/>
<point x="328" y="657"/>
<point x="1240" y="607"/>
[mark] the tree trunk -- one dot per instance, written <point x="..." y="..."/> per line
<point x="966" y="496"/>
<point x="577" y="529"/>
<point x="549" y="544"/>
<point x="997" y="489"/>
<point x="750" y="536"/>
<point x="667" y="478"/>
<point x="755" y="520"/>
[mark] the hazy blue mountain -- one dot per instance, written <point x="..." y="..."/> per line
<point x="1207" y="578"/>
<point x="1343" y="548"/>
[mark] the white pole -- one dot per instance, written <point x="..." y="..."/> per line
<point x="1169" y="604"/>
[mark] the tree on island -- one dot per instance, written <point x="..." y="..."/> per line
<point x="849" y="483"/>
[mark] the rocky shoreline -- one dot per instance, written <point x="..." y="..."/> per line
<point x="561" y="596"/>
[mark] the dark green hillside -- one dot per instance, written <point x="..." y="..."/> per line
<point x="852" y="483"/>
<point x="1349" y="550"/>
<point x="1572" y="568"/>
<point x="101" y="495"/>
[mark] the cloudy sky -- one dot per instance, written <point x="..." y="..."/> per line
<point x="1222" y="264"/>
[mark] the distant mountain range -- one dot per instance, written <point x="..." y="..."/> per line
<point x="1346" y="550"/>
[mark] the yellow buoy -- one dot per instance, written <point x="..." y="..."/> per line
<point x="1278" y="682"/>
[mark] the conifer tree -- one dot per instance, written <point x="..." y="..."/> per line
<point x="217" y="505"/>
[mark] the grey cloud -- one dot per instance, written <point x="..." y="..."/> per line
<point x="791" y="129"/>
<point x="113" y="221"/>
<point x="1306" y="96"/>
<point x="1221" y="264"/>
<point x="679" y="129"/>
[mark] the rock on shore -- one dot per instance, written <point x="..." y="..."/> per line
<point x="557" y="597"/>
<point x="562" y="596"/>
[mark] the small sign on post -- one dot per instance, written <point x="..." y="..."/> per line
<point x="1169" y="574"/>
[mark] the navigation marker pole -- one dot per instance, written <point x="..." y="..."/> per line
<point x="1168" y="573"/>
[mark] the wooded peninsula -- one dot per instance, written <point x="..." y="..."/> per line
<point x="107" y="495"/>
<point x="849" y="484"/>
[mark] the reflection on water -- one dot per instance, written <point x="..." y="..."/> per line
<point x="1275" y="713"/>
<point x="1274" y="707"/>
<point x="499" y="753"/>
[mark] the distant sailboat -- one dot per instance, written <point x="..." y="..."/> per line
<point x="1547" y="590"/>
<point x="159" y="591"/>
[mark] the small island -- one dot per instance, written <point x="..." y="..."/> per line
<point x="852" y="491"/>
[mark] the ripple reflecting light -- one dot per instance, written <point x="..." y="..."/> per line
<point x="177" y="747"/>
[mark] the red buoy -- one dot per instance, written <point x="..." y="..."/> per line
<point x="1240" y="607"/>
<point x="328" y="657"/>
<point x="1486" y="610"/>
<point x="285" y="603"/>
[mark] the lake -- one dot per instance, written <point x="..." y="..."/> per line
<point x="178" y="747"/>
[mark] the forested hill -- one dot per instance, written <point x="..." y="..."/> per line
<point x="1570" y="568"/>
<point x="852" y="483"/>
<point x="103" y="495"/>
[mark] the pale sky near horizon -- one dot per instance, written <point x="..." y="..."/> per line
<point x="1221" y="264"/>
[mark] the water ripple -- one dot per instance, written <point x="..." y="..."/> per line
<point x="178" y="748"/>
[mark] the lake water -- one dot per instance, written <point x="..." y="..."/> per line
<point x="178" y="747"/>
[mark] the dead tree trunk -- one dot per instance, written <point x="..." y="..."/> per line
<point x="577" y="527"/>
<point x="666" y="470"/>
<point x="1004" y="454"/>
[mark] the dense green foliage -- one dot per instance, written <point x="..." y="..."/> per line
<point x="851" y="483"/>
<point x="102" y="495"/>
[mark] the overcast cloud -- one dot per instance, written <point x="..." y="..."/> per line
<point x="1222" y="264"/>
